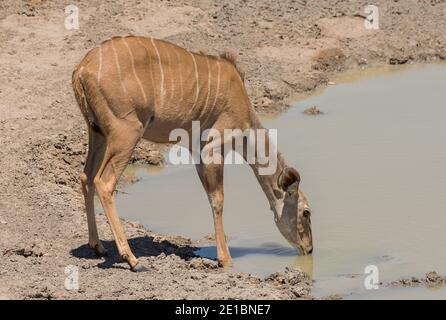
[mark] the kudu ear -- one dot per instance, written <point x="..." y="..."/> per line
<point x="287" y="177"/>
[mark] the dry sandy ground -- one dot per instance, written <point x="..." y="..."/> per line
<point x="285" y="47"/>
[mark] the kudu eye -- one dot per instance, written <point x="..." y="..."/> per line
<point x="306" y="213"/>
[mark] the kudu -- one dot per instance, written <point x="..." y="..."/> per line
<point x="129" y="88"/>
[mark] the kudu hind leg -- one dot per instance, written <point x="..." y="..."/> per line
<point x="118" y="152"/>
<point x="211" y="177"/>
<point x="96" y="148"/>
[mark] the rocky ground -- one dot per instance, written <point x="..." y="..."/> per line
<point x="285" y="48"/>
<point x="431" y="279"/>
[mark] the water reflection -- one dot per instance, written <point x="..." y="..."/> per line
<point x="271" y="249"/>
<point x="305" y="262"/>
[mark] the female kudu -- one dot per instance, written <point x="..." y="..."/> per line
<point x="130" y="88"/>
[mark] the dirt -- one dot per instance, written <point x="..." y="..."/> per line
<point x="285" y="48"/>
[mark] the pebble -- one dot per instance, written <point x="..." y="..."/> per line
<point x="313" y="111"/>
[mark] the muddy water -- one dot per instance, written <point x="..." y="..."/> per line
<point x="373" y="167"/>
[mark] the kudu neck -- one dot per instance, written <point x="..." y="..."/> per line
<point x="268" y="182"/>
<point x="269" y="185"/>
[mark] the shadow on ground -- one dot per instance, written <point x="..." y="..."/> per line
<point x="144" y="246"/>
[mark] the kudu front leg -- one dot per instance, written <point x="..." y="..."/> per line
<point x="211" y="177"/>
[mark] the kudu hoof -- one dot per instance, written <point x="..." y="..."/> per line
<point x="99" y="250"/>
<point x="225" y="264"/>
<point x="139" y="268"/>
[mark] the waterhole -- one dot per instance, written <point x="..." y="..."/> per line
<point x="372" y="166"/>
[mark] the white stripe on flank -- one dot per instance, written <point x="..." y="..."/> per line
<point x="118" y="66"/>
<point x="218" y="84"/>
<point x="209" y="83"/>
<point x="172" y="84"/>
<point x="152" y="84"/>
<point x="134" y="70"/>
<point x="150" y="65"/>
<point x="169" y="67"/>
<point x="100" y="64"/>
<point x="161" y="71"/>
<point x="180" y="75"/>
<point x="196" y="79"/>
<point x="146" y="125"/>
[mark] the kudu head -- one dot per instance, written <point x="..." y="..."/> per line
<point x="293" y="212"/>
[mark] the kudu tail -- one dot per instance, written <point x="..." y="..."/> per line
<point x="92" y="104"/>
<point x="81" y="98"/>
